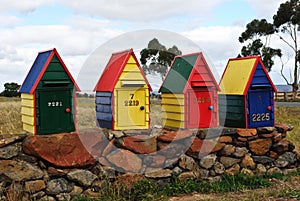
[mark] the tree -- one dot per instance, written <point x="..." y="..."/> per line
<point x="11" y="90"/>
<point x="286" y="22"/>
<point x="156" y="58"/>
<point x="257" y="31"/>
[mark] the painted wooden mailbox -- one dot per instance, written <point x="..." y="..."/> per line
<point x="246" y="99"/>
<point x="48" y="96"/>
<point x="122" y="94"/>
<point x="189" y="94"/>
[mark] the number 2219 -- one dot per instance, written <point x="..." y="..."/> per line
<point x="260" y="117"/>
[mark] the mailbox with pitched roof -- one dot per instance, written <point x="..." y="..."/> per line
<point x="189" y="94"/>
<point x="246" y="99"/>
<point x="122" y="94"/>
<point x="48" y="96"/>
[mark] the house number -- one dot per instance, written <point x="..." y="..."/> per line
<point x="260" y="117"/>
<point x="201" y="100"/>
<point x="55" y="104"/>
<point x="131" y="102"/>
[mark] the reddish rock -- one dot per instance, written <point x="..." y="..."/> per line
<point x="34" y="186"/>
<point x="281" y="128"/>
<point x="261" y="146"/>
<point x="103" y="161"/>
<point x="266" y="135"/>
<point x="277" y="137"/>
<point x="125" y="160"/>
<point x="154" y="160"/>
<point x="273" y="154"/>
<point x="242" y="139"/>
<point x="61" y="150"/>
<point x="109" y="148"/>
<point x="53" y="172"/>
<point x="225" y="139"/>
<point x="175" y="135"/>
<point x="246" y="132"/>
<point x="281" y="146"/>
<point x="141" y="144"/>
<point x="248" y="162"/>
<point x="203" y="147"/>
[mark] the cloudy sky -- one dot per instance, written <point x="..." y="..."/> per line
<point x="78" y="28"/>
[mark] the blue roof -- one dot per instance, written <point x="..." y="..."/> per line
<point x="35" y="71"/>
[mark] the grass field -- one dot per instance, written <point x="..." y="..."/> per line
<point x="10" y="116"/>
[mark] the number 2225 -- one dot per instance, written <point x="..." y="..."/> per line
<point x="260" y="117"/>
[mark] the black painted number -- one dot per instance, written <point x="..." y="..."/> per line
<point x="129" y="103"/>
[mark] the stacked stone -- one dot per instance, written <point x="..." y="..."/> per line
<point x="60" y="166"/>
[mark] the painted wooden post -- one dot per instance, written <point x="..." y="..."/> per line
<point x="246" y="99"/>
<point x="189" y="94"/>
<point x="48" y="96"/>
<point x="122" y="94"/>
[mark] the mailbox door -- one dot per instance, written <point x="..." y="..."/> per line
<point x="260" y="108"/>
<point x="131" y="107"/>
<point x="55" y="111"/>
<point x="199" y="110"/>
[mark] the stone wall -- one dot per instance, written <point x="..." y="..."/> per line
<point x="60" y="166"/>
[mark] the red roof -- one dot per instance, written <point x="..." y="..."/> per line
<point x="114" y="69"/>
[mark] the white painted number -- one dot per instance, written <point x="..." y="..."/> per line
<point x="55" y="104"/>
<point x="260" y="117"/>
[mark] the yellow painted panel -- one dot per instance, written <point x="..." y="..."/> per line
<point x="28" y="128"/>
<point x="173" y="123"/>
<point x="27" y="103"/>
<point x="172" y="101"/>
<point x="27" y="96"/>
<point x="173" y="116"/>
<point x="28" y="120"/>
<point x="27" y="111"/>
<point x="173" y="108"/>
<point x="131" y="67"/>
<point x="169" y="95"/>
<point x="236" y="76"/>
<point x="128" y="114"/>
<point x="132" y="76"/>
<point x="131" y="60"/>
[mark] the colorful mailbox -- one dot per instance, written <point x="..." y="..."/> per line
<point x="189" y="94"/>
<point x="48" y="96"/>
<point x="246" y="99"/>
<point x="122" y="94"/>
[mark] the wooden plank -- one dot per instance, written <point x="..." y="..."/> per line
<point x="29" y="128"/>
<point x="173" y="108"/>
<point x="28" y="120"/>
<point x="27" y="103"/>
<point x="173" y="123"/>
<point x="27" y="96"/>
<point x="173" y="116"/>
<point x="27" y="111"/>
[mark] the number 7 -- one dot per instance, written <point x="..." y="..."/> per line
<point x="131" y="96"/>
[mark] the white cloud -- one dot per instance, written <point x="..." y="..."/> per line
<point x="24" y="6"/>
<point x="143" y="10"/>
<point x="266" y="8"/>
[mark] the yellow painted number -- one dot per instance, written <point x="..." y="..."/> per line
<point x="260" y="117"/>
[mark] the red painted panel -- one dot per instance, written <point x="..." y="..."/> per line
<point x="201" y="108"/>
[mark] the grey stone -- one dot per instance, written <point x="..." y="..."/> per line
<point x="187" y="175"/>
<point x="214" y="179"/>
<point x="208" y="161"/>
<point x="240" y="152"/>
<point x="233" y="170"/>
<point x="264" y="130"/>
<point x="247" y="171"/>
<point x="286" y="159"/>
<point x="228" y="161"/>
<point x="203" y="173"/>
<point x="219" y="168"/>
<point x="6" y="139"/>
<point x="63" y="197"/>
<point x="10" y="151"/>
<point x="187" y="162"/>
<point x="274" y="170"/>
<point x="20" y="170"/>
<point x="83" y="177"/>
<point x="263" y="159"/>
<point x="60" y="185"/>
<point x="159" y="173"/>
<point x="228" y="150"/>
<point x="177" y="170"/>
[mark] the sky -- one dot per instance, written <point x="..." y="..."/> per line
<point x="89" y="31"/>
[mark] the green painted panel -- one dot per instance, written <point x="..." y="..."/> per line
<point x="179" y="74"/>
<point x="232" y="110"/>
<point x="56" y="75"/>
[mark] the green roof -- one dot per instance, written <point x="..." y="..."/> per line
<point x="179" y="74"/>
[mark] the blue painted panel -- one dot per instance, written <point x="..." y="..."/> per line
<point x="260" y="108"/>
<point x="35" y="71"/>
<point x="104" y="109"/>
<point x="260" y="77"/>
<point x="103" y="116"/>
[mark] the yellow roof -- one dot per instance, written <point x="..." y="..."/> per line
<point x="236" y="76"/>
